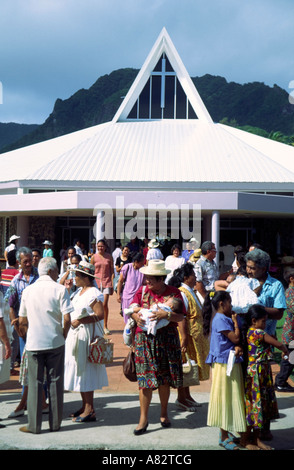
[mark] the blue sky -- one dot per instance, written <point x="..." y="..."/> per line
<point x="50" y="49"/>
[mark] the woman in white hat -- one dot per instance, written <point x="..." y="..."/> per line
<point x="153" y="251"/>
<point x="47" y="250"/>
<point x="158" y="358"/>
<point x="80" y="374"/>
<point x="12" y="246"/>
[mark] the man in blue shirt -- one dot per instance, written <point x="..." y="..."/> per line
<point x="27" y="276"/>
<point x="206" y="270"/>
<point x="272" y="294"/>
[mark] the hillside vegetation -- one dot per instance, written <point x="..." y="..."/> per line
<point x="254" y="107"/>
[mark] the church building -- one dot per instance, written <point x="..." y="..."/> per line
<point x="160" y="167"/>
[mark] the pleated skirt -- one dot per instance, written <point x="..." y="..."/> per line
<point x="226" y="409"/>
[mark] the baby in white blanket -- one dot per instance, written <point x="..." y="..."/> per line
<point x="243" y="291"/>
<point x="173" y="304"/>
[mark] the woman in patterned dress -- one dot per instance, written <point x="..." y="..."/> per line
<point x="197" y="344"/>
<point x="158" y="358"/>
<point x="261" y="403"/>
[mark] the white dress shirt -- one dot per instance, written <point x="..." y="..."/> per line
<point x="44" y="303"/>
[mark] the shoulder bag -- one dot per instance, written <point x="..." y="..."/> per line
<point x="129" y="368"/>
<point x="190" y="373"/>
<point x="100" y="349"/>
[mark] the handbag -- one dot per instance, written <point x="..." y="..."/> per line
<point x="190" y="373"/>
<point x="129" y="368"/>
<point x="100" y="349"/>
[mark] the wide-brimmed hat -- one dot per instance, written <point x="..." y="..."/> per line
<point x="47" y="242"/>
<point x="13" y="237"/>
<point x="86" y="268"/>
<point x="196" y="255"/>
<point x="156" y="267"/>
<point x="153" y="243"/>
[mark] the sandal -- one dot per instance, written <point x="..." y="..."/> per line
<point x="85" y="419"/>
<point x="234" y="438"/>
<point x="191" y="408"/>
<point x="229" y="444"/>
<point x="194" y="403"/>
<point x="75" y="414"/>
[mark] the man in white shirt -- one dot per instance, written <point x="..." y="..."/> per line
<point x="12" y="246"/>
<point x="117" y="252"/>
<point x="44" y="315"/>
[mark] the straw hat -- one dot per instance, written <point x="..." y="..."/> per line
<point x="156" y="267"/>
<point x="46" y="242"/>
<point x="153" y="243"/>
<point x="13" y="237"/>
<point x="86" y="268"/>
<point x="196" y="255"/>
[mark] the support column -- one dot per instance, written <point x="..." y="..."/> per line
<point x="99" y="232"/>
<point x="22" y="230"/>
<point x="215" y="232"/>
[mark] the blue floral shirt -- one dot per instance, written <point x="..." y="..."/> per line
<point x="17" y="285"/>
<point x="272" y="295"/>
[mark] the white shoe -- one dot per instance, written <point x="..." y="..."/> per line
<point x="16" y="414"/>
<point x="185" y="407"/>
<point x="106" y="331"/>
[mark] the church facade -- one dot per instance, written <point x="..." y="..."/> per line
<point x="160" y="167"/>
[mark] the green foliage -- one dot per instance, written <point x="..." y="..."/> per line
<point x="254" y="107"/>
<point x="10" y="132"/>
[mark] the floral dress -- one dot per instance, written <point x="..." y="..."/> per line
<point x="158" y="358"/>
<point x="260" y="398"/>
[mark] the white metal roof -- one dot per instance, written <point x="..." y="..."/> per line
<point x="164" y="151"/>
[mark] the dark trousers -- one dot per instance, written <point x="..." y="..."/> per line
<point x="285" y="371"/>
<point x="53" y="361"/>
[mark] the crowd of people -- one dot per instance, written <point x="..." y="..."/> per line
<point x="179" y="306"/>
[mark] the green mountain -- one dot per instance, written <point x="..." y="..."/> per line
<point x="254" y="107"/>
<point x="11" y="132"/>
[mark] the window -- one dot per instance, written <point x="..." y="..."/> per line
<point x="163" y="96"/>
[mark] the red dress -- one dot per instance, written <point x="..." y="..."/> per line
<point x="104" y="270"/>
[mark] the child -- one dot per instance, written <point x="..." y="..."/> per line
<point x="226" y="408"/>
<point x="261" y="403"/>
<point x="243" y="290"/>
<point x="172" y="304"/>
<point x="222" y="284"/>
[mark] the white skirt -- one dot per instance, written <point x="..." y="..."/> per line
<point x="93" y="377"/>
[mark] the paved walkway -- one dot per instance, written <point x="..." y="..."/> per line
<point x="117" y="411"/>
